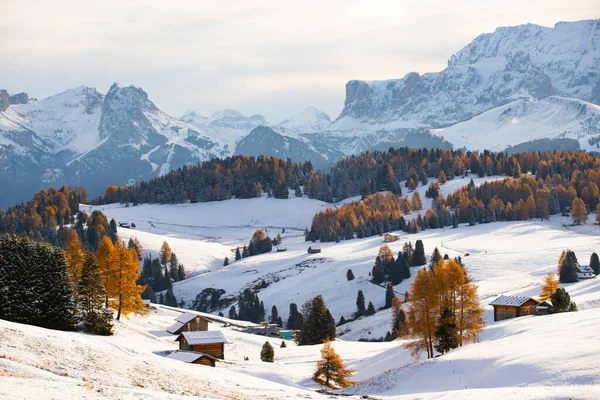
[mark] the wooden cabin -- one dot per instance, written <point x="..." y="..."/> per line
<point x="314" y="250"/>
<point x="124" y="225"/>
<point x="211" y="343"/>
<point x="390" y="237"/>
<point x="193" y="358"/>
<point x="506" y="307"/>
<point x="188" y="322"/>
<point x="543" y="308"/>
<point x="281" y="248"/>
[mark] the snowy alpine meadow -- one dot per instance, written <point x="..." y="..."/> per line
<point x="553" y="356"/>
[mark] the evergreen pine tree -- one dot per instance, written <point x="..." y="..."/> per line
<point x="267" y="354"/>
<point x="350" y="275"/>
<point x="233" y="313"/>
<point x="436" y="256"/>
<point x="294" y="322"/>
<point x="238" y="254"/>
<point x="35" y="284"/>
<point x="446" y="333"/>
<point x="370" y="309"/>
<point x="419" y="255"/>
<point x="283" y="344"/>
<point x="91" y="297"/>
<point x="595" y="263"/>
<point x="389" y="295"/>
<point x="566" y="271"/>
<point x="274" y="315"/>
<point x="560" y="300"/>
<point x="360" y="303"/>
<point x="181" y="272"/>
<point x="318" y="323"/>
<point x="226" y="262"/>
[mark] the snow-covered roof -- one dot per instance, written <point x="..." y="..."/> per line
<point x="188" y="356"/>
<point x="510" y="301"/>
<point x="203" y="337"/>
<point x="187" y="317"/>
<point x="175" y="327"/>
<point x="584" y="269"/>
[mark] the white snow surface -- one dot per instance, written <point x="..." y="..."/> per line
<point x="525" y="120"/>
<point x="66" y="121"/>
<point x="530" y="357"/>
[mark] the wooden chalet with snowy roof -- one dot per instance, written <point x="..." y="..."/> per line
<point x="193" y="358"/>
<point x="506" y="307"/>
<point x="188" y="322"/>
<point x="314" y="249"/>
<point x="390" y="237"/>
<point x="543" y="308"/>
<point x="584" y="272"/>
<point x="211" y="343"/>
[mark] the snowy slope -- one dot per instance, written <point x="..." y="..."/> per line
<point x="66" y="121"/>
<point x="504" y="257"/>
<point x="527" y="120"/>
<point x="548" y="357"/>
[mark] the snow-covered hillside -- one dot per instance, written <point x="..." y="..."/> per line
<point x="530" y="357"/>
<point x="527" y="120"/>
<point x="503" y="257"/>
<point x="551" y="357"/>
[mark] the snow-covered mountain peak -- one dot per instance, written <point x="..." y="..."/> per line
<point x="192" y="117"/>
<point x="233" y="119"/>
<point x="309" y="120"/>
<point x="565" y="40"/>
<point x="526" y="61"/>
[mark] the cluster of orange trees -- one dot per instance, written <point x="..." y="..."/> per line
<point x="118" y="267"/>
<point x="560" y="182"/>
<point x="39" y="217"/>
<point x="444" y="312"/>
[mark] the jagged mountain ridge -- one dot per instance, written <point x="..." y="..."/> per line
<point x="526" y="61"/>
<point x="545" y="79"/>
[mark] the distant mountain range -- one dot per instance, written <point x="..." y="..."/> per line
<point x="520" y="88"/>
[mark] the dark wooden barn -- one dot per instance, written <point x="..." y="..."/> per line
<point x="506" y="307"/>
<point x="211" y="343"/>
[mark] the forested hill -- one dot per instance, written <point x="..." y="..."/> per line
<point x="366" y="173"/>
<point x="246" y="177"/>
<point x="538" y="185"/>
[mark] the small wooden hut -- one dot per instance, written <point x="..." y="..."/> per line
<point x="188" y="322"/>
<point x="193" y="358"/>
<point x="211" y="343"/>
<point x="506" y="307"/>
<point x="314" y="249"/>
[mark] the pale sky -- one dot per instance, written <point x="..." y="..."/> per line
<point x="269" y="57"/>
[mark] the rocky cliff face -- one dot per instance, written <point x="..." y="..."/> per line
<point x="527" y="61"/>
<point x="4" y="100"/>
